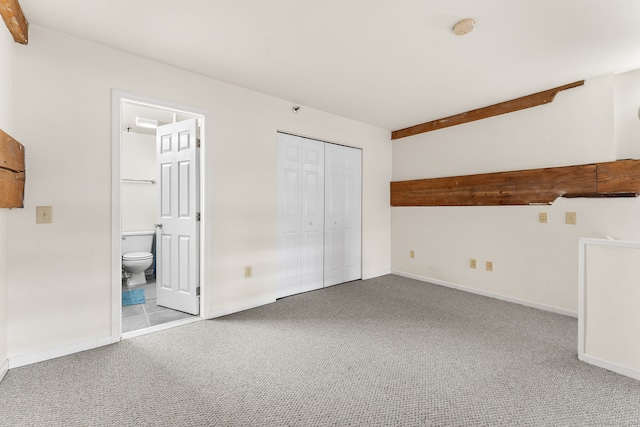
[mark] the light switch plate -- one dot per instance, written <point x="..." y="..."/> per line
<point x="44" y="214"/>
<point x="571" y="218"/>
<point x="542" y="217"/>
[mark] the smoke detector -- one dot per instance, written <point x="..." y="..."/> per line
<point x="464" y="26"/>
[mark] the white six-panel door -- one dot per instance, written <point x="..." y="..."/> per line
<point x="319" y="214"/>
<point x="177" y="259"/>
<point x="300" y="214"/>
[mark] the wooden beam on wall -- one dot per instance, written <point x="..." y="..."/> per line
<point x="12" y="172"/>
<point x="14" y="18"/>
<point x="525" y="187"/>
<point x="485" y="112"/>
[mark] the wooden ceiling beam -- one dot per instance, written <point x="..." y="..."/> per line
<point x="12" y="172"/>
<point x="14" y="18"/>
<point x="524" y="187"/>
<point x="485" y="112"/>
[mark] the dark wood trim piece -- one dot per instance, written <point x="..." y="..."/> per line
<point x="14" y="19"/>
<point x="622" y="176"/>
<point x="12" y="172"/>
<point x="485" y="112"/>
<point x="525" y="187"/>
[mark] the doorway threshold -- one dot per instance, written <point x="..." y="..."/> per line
<point x="161" y="327"/>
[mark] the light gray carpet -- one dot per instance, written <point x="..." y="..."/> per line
<point x="387" y="351"/>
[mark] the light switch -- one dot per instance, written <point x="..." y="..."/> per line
<point x="44" y="214"/>
<point x="570" y="218"/>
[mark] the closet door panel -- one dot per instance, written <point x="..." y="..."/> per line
<point x="334" y="215"/>
<point x="343" y="212"/>
<point x="300" y="215"/>
<point x="312" y="257"/>
<point x="353" y="214"/>
<point x="289" y="214"/>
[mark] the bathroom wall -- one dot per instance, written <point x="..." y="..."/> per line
<point x="6" y="124"/>
<point x="139" y="200"/>
<point x="60" y="274"/>
<point x="532" y="262"/>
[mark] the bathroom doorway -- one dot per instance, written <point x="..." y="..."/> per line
<point x="157" y="190"/>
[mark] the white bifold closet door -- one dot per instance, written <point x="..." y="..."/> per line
<point x="319" y="214"/>
<point x="343" y="214"/>
<point x="300" y="214"/>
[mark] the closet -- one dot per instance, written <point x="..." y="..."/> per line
<point x="319" y="214"/>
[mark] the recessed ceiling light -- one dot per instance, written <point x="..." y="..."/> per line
<point x="464" y="26"/>
<point x="146" y="123"/>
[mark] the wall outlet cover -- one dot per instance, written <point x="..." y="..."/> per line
<point x="542" y="217"/>
<point x="44" y="214"/>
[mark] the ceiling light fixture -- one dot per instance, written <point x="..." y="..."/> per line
<point x="464" y="26"/>
<point x="146" y="123"/>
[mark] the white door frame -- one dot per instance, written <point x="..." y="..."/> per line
<point x="117" y="98"/>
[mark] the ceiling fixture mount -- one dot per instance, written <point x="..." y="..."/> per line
<point x="464" y="26"/>
<point x="146" y="123"/>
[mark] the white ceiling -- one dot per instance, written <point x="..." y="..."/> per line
<point x="388" y="63"/>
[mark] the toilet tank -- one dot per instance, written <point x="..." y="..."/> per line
<point x="137" y="241"/>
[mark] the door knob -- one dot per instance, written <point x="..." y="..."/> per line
<point x="158" y="225"/>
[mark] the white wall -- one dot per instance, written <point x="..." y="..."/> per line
<point x="59" y="274"/>
<point x="139" y="199"/>
<point x="627" y="115"/>
<point x="534" y="262"/>
<point x="6" y="124"/>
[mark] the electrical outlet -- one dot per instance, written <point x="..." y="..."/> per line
<point x="489" y="266"/>
<point x="472" y="263"/>
<point x="44" y="214"/>
<point x="412" y="254"/>
<point x="542" y="217"/>
<point x="248" y="272"/>
<point x="570" y="218"/>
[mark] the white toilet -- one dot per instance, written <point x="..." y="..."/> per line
<point x="136" y="255"/>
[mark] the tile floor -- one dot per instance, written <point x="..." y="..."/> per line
<point x="142" y="316"/>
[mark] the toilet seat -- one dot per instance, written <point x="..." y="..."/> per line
<point x="137" y="256"/>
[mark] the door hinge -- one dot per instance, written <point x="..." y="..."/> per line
<point x="198" y="216"/>
<point x="198" y="142"/>
<point x="198" y="291"/>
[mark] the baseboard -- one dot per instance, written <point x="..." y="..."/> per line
<point x="4" y="369"/>
<point x="237" y="308"/>
<point x="618" y="369"/>
<point x="527" y="303"/>
<point x="373" y="276"/>
<point x="28" y="359"/>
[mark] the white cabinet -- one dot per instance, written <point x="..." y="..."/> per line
<point x="319" y="214"/>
